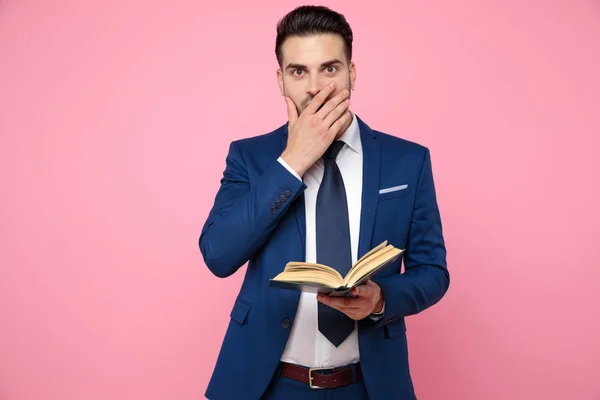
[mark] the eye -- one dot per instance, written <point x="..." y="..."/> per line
<point x="294" y="72"/>
<point x="331" y="69"/>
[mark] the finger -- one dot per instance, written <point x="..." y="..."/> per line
<point x="323" y="298"/>
<point x="343" y="302"/>
<point x="346" y="310"/>
<point x="341" y="121"/>
<point x="356" y="305"/>
<point x="331" y="105"/>
<point x="320" y="98"/>
<point x="352" y="309"/>
<point x="337" y="113"/>
<point x="291" y="110"/>
<point x="364" y="290"/>
<point x="351" y="313"/>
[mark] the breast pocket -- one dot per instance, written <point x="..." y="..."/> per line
<point x="393" y="192"/>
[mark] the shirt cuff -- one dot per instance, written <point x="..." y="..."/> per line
<point x="282" y="162"/>
<point x="377" y="316"/>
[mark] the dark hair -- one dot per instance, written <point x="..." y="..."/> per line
<point x="313" y="20"/>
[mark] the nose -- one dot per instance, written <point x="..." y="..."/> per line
<point x="315" y="84"/>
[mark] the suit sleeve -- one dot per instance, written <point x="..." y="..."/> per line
<point x="426" y="278"/>
<point x="245" y="213"/>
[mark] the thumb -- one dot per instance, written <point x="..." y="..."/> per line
<point x="291" y="111"/>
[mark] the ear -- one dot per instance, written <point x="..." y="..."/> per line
<point x="352" y="68"/>
<point x="280" y="81"/>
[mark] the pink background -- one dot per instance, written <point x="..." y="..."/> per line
<point x="115" y="120"/>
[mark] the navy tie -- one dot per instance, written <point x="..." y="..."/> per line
<point x="333" y="241"/>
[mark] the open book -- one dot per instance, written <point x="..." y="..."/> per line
<point x="319" y="278"/>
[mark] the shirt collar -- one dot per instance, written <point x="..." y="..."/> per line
<point x="352" y="135"/>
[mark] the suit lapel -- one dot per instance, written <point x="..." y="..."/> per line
<point x="370" y="186"/>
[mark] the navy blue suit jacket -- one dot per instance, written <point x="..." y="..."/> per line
<point x="244" y="225"/>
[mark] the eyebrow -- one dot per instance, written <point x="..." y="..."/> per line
<point x="323" y="65"/>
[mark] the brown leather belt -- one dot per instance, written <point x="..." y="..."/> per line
<point x="318" y="379"/>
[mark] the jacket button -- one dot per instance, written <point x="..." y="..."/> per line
<point x="273" y="210"/>
<point x="278" y="204"/>
<point x="282" y="198"/>
<point x="285" y="323"/>
<point x="287" y="193"/>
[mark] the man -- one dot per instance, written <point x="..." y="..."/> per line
<point x="322" y="188"/>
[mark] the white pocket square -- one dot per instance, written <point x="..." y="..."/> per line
<point x="392" y="189"/>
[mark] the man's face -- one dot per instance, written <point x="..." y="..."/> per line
<point x="311" y="62"/>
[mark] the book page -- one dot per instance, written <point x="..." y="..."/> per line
<point x="308" y="277"/>
<point x="369" y="253"/>
<point x="372" y="263"/>
<point x="369" y="256"/>
<point x="310" y="273"/>
<point x="305" y="266"/>
<point x="368" y="261"/>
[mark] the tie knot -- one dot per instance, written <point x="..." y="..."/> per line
<point x="333" y="150"/>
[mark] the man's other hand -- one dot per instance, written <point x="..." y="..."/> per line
<point x="369" y="299"/>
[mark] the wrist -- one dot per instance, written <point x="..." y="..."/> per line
<point x="379" y="305"/>
<point x="294" y="163"/>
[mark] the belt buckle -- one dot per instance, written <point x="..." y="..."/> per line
<point x="310" y="377"/>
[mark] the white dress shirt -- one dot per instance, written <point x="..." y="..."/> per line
<point x="306" y="344"/>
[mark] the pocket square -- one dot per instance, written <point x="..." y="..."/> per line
<point x="392" y="189"/>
